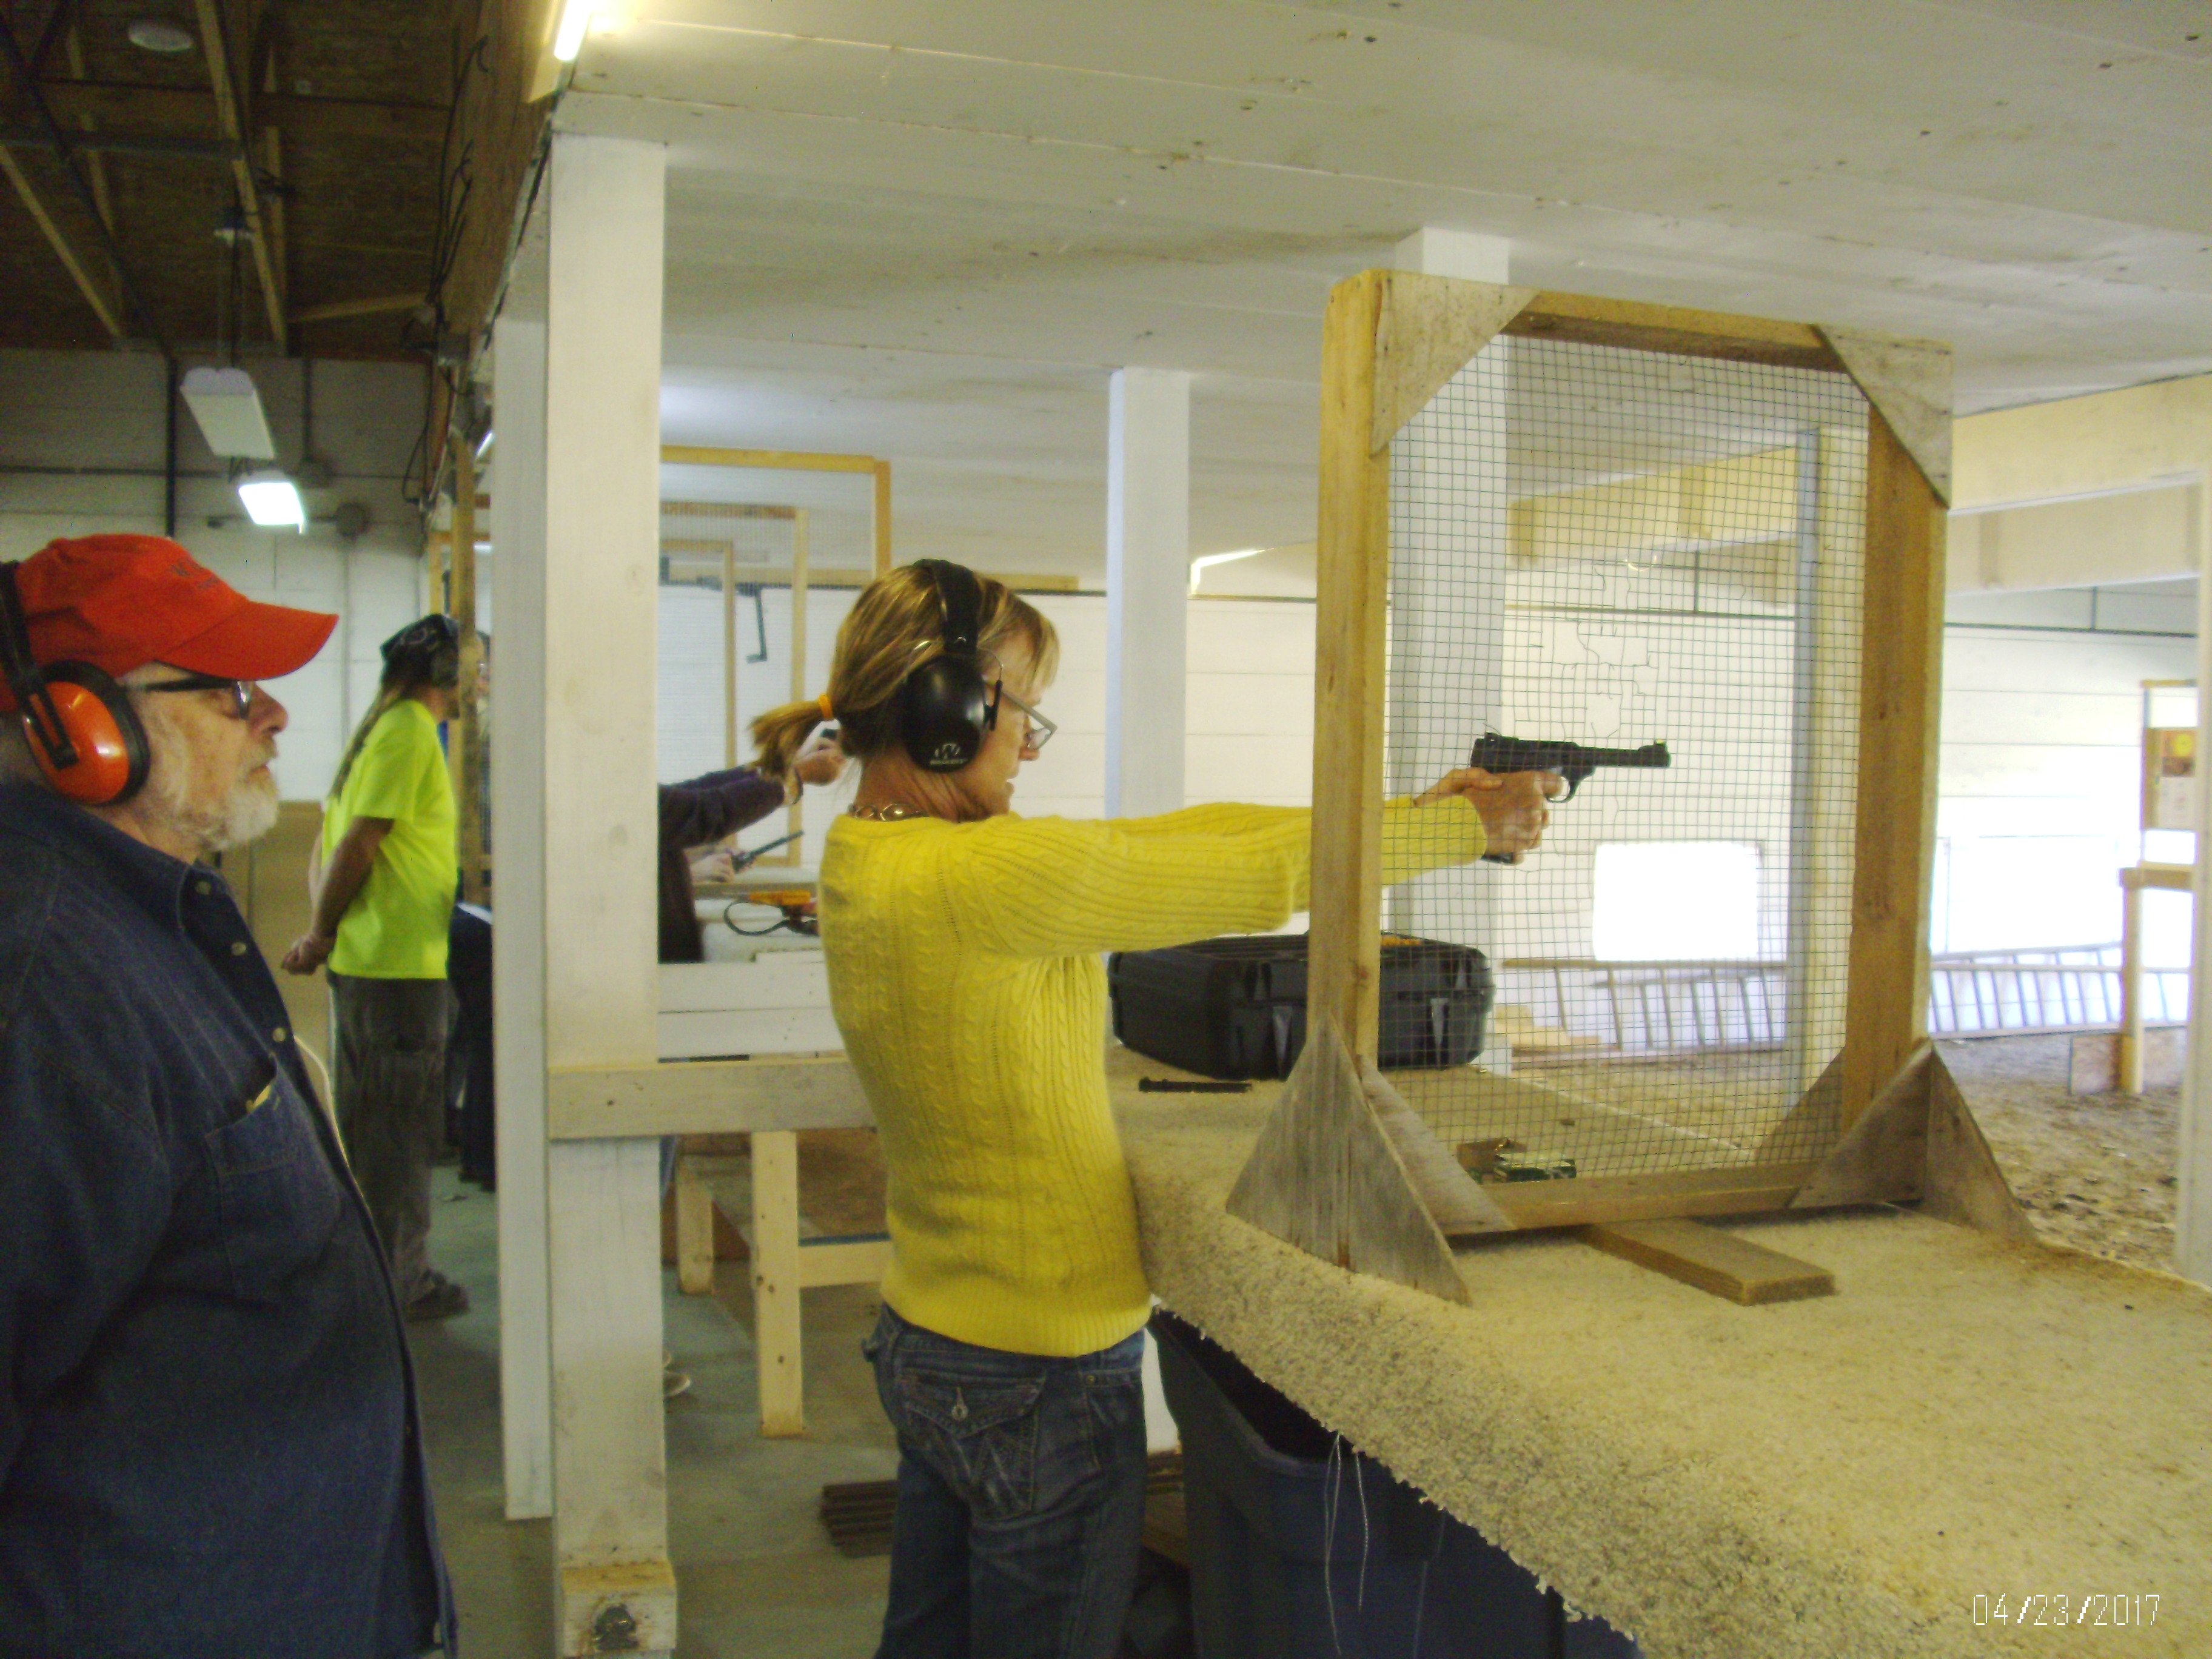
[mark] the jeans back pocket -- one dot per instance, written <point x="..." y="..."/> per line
<point x="980" y="1433"/>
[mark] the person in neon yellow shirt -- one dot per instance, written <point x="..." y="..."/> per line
<point x="962" y="944"/>
<point x="383" y="885"/>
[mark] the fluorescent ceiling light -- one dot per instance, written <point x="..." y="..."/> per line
<point x="1198" y="566"/>
<point x="484" y="443"/>
<point x="271" y="498"/>
<point x="229" y="409"/>
<point x="569" y="38"/>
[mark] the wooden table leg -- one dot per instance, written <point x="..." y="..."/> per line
<point x="694" y="1228"/>
<point x="776" y="1280"/>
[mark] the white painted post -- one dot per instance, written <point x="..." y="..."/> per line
<point x="518" y="786"/>
<point x="1147" y="588"/>
<point x="1449" y="654"/>
<point x="1147" y="637"/>
<point x="2192" y="1229"/>
<point x="602" y="504"/>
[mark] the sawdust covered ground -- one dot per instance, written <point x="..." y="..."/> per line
<point x="2095" y="1171"/>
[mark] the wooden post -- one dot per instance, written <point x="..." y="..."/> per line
<point x="1352" y="554"/>
<point x="1900" y="686"/>
<point x="795" y="817"/>
<point x="606" y="219"/>
<point x="2131" y="1008"/>
<point x="883" y="516"/>
<point x="465" y="743"/>
<point x="435" y="547"/>
<point x="775" y="1282"/>
<point x="730" y="653"/>
<point x="694" y="1229"/>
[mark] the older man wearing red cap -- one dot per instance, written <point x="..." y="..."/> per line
<point x="210" y="1442"/>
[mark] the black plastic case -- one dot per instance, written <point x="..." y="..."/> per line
<point x="1237" y="1007"/>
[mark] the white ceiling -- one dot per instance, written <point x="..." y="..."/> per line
<point x="927" y="228"/>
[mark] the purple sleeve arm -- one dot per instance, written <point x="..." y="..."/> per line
<point x="705" y="809"/>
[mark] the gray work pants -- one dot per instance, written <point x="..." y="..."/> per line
<point x="388" y="1072"/>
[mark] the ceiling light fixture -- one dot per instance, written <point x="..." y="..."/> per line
<point x="569" y="38"/>
<point x="159" y="35"/>
<point x="1198" y="566"/>
<point x="271" y="498"/>
<point x="227" y="407"/>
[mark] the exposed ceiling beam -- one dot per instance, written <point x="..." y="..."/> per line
<point x="96" y="170"/>
<point x="57" y="21"/>
<point x="304" y="117"/>
<point x="230" y="116"/>
<point x="127" y="143"/>
<point x="27" y="85"/>
<point x="95" y="295"/>
<point x="344" y="308"/>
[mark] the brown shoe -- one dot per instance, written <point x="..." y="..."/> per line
<point x="440" y="1299"/>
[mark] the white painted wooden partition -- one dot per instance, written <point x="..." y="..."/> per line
<point x="602" y="458"/>
<point x="518" y="784"/>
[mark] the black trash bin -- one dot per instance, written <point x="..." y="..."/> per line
<point x="1302" y="1549"/>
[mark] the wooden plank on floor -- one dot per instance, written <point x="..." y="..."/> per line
<point x="1713" y="1261"/>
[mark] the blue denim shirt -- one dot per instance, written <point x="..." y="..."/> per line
<point x="209" y="1447"/>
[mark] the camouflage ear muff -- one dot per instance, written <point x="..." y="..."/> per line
<point x="428" y="649"/>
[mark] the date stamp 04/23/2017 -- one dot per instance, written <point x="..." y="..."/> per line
<point x="2095" y="1610"/>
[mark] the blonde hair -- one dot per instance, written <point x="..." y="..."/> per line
<point x="895" y="626"/>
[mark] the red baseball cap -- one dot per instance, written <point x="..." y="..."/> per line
<point x="120" y="602"/>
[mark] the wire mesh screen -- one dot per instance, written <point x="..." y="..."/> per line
<point x="1621" y="548"/>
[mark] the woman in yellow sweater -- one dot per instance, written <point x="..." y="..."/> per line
<point x="963" y="946"/>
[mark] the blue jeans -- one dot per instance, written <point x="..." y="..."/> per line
<point x="1021" y="1496"/>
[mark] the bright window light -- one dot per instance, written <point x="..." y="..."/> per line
<point x="1198" y="566"/>
<point x="568" y="39"/>
<point x="227" y="409"/>
<point x="1676" y="901"/>
<point x="271" y="498"/>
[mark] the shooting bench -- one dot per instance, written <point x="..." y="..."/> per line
<point x="1856" y="1476"/>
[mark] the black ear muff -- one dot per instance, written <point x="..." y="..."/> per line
<point x="946" y="703"/>
<point x="79" y="723"/>
<point x="107" y="757"/>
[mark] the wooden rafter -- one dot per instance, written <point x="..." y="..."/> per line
<point x="103" y="303"/>
<point x="95" y="165"/>
<point x="230" y="116"/>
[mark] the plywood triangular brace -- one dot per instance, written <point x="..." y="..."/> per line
<point x="1964" y="1184"/>
<point x="1883" y="1159"/>
<point x="1430" y="329"/>
<point x="1910" y="382"/>
<point x="1326" y="1177"/>
<point x="1454" y="1200"/>
<point x="1919" y="1140"/>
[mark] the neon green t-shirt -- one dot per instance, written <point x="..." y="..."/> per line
<point x="396" y="927"/>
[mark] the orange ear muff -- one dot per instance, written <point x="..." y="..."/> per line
<point x="96" y="715"/>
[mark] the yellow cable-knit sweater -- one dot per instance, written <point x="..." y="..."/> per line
<point x="965" y="976"/>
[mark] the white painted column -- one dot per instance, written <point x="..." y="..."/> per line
<point x="1147" y="588"/>
<point x="2192" y="1228"/>
<point x="518" y="793"/>
<point x="1448" y="645"/>
<point x="615" y="1587"/>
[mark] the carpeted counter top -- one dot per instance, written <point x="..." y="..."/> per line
<point x="1836" y="1477"/>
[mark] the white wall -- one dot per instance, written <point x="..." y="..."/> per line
<point x="82" y="451"/>
<point x="2040" y="790"/>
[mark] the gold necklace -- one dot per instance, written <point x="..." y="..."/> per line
<point x="890" y="812"/>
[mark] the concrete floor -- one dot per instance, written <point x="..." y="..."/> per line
<point x="755" y="1571"/>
